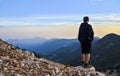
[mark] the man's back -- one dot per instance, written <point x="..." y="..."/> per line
<point x="85" y="32"/>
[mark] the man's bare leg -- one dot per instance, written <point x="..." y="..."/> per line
<point x="83" y="59"/>
<point x="87" y="58"/>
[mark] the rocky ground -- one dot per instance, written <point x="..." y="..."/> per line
<point x="15" y="62"/>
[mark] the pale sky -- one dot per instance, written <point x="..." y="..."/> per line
<point x="57" y="18"/>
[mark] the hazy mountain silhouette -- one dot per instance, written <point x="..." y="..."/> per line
<point x="106" y="52"/>
<point x="41" y="45"/>
<point x="54" y="44"/>
<point x="67" y="54"/>
<point x="28" y="44"/>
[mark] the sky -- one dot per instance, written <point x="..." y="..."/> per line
<point x="57" y="18"/>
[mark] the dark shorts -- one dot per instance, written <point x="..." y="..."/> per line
<point x="86" y="47"/>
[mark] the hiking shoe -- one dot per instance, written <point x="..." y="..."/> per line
<point x="83" y="63"/>
<point x="87" y="66"/>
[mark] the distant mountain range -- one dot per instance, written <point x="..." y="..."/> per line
<point x="59" y="50"/>
<point x="69" y="54"/>
<point x="105" y="54"/>
<point x="54" y="44"/>
<point x="28" y="44"/>
<point x="66" y="54"/>
<point x="41" y="45"/>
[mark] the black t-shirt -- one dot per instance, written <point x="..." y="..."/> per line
<point x="85" y="32"/>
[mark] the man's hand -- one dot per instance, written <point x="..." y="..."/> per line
<point x="89" y="38"/>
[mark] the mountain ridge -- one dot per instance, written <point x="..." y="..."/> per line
<point x="107" y="51"/>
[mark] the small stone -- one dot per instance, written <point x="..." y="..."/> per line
<point x="56" y="70"/>
<point x="1" y="74"/>
<point x="1" y="61"/>
<point x="22" y="64"/>
<point x="5" y="69"/>
<point x="16" y="74"/>
<point x="33" y="55"/>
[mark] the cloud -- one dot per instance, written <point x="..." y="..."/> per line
<point x="107" y="16"/>
<point x="58" y="20"/>
<point x="57" y="26"/>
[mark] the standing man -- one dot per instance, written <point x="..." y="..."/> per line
<point x="85" y="37"/>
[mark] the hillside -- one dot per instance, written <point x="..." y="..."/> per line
<point x="16" y="62"/>
<point x="66" y="55"/>
<point x="107" y="51"/>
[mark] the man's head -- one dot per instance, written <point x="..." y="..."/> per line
<point x="86" y="19"/>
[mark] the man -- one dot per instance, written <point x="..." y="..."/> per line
<point x="85" y="37"/>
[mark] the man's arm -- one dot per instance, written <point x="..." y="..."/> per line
<point x="79" y="34"/>
<point x="91" y="33"/>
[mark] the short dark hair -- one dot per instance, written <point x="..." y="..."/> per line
<point x="86" y="18"/>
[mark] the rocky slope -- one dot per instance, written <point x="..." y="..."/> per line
<point x="15" y="62"/>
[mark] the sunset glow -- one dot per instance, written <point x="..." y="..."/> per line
<point x="57" y="19"/>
